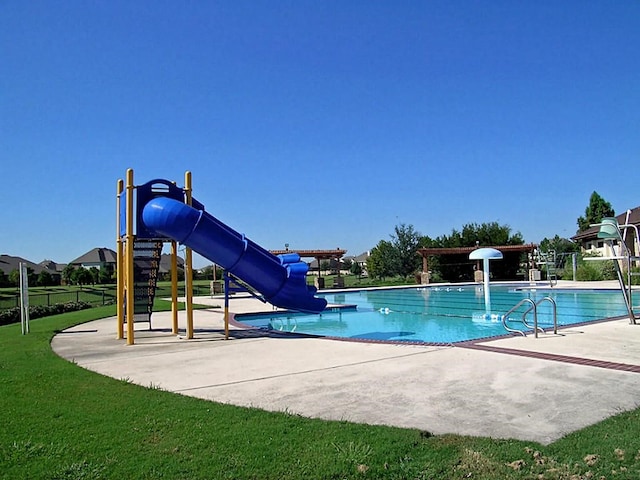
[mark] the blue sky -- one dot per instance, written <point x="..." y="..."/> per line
<point x="320" y="124"/>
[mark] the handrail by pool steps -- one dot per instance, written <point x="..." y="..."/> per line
<point x="532" y="308"/>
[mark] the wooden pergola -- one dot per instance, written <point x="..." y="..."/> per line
<point x="426" y="252"/>
<point x="319" y="255"/>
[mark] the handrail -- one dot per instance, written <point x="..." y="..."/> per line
<point x="535" y="318"/>
<point x="533" y="307"/>
<point x="555" y="316"/>
<point x="505" y="317"/>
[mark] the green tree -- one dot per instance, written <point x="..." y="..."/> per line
<point x="68" y="274"/>
<point x="356" y="269"/>
<point x="383" y="260"/>
<point x="82" y="276"/>
<point x="594" y="213"/>
<point x="458" y="267"/>
<point x="325" y="265"/>
<point x="559" y="245"/>
<point x="406" y="242"/>
<point x="346" y="264"/>
<point x="95" y="275"/>
<point x="45" y="279"/>
<point x="14" y="277"/>
<point x="105" y="275"/>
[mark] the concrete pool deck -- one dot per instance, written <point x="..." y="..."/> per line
<point x="525" y="388"/>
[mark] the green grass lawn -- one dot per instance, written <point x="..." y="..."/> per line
<point x="59" y="421"/>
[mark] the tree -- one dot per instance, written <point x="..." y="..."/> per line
<point x="405" y="242"/>
<point x="483" y="234"/>
<point x="458" y="267"/>
<point x="383" y="260"/>
<point x="598" y="209"/>
<point x="95" y="275"/>
<point x="559" y="245"/>
<point x="325" y="265"/>
<point x="106" y="274"/>
<point x="346" y="264"/>
<point x="45" y="279"/>
<point x="68" y="274"/>
<point x="356" y="269"/>
<point x="14" y="277"/>
<point x="82" y="276"/>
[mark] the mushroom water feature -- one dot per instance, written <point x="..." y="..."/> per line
<point x="486" y="254"/>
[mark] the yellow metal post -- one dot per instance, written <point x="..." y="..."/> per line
<point x="129" y="257"/>
<point x="226" y="305"/>
<point x="119" y="264"/>
<point x="188" y="272"/>
<point x="174" y="287"/>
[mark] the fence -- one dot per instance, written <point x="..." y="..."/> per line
<point x="93" y="296"/>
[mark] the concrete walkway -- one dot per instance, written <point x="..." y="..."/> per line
<point x="524" y="388"/>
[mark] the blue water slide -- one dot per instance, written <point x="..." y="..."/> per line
<point x="280" y="279"/>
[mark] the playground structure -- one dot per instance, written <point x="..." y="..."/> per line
<point x="159" y="211"/>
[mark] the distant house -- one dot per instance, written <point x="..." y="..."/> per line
<point x="53" y="266"/>
<point x="165" y="263"/>
<point x="9" y="263"/>
<point x="360" y="260"/>
<point x="98" y="257"/>
<point x="105" y="257"/>
<point x="590" y="243"/>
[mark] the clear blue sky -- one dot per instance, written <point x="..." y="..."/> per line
<point x="321" y="124"/>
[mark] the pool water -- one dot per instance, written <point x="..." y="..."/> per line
<point x="440" y="314"/>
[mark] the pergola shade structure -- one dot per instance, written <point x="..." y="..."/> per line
<point x="464" y="252"/>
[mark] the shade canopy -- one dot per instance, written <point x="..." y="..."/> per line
<point x="485" y="254"/>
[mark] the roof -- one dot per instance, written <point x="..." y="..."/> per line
<point x="165" y="262"/>
<point x="321" y="254"/>
<point x="9" y="263"/>
<point x="53" y="266"/>
<point x="97" y="255"/>
<point x="592" y="232"/>
<point x="467" y="250"/>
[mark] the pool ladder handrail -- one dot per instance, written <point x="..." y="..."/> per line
<point x="533" y="307"/>
<point x="282" y="324"/>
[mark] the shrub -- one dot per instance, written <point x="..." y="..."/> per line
<point x="587" y="272"/>
<point x="12" y="315"/>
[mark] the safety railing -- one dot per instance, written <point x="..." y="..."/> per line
<point x="533" y="307"/>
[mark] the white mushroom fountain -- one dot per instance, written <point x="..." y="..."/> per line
<point x="486" y="254"/>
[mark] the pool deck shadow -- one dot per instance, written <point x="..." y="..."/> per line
<point x="519" y="387"/>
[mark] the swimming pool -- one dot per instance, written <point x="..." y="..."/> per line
<point x="438" y="314"/>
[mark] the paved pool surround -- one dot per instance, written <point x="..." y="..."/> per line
<point x="519" y="387"/>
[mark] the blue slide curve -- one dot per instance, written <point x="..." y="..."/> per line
<point x="280" y="279"/>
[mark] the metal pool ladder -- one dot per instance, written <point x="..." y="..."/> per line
<point x="533" y="307"/>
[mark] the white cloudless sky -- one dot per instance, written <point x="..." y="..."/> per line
<point x="317" y="124"/>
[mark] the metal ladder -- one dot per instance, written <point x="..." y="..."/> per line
<point x="615" y="235"/>
<point x="548" y="259"/>
<point x="533" y="307"/>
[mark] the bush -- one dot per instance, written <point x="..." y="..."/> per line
<point x="587" y="272"/>
<point x="12" y="315"/>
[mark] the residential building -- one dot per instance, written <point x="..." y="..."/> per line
<point x="590" y="243"/>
